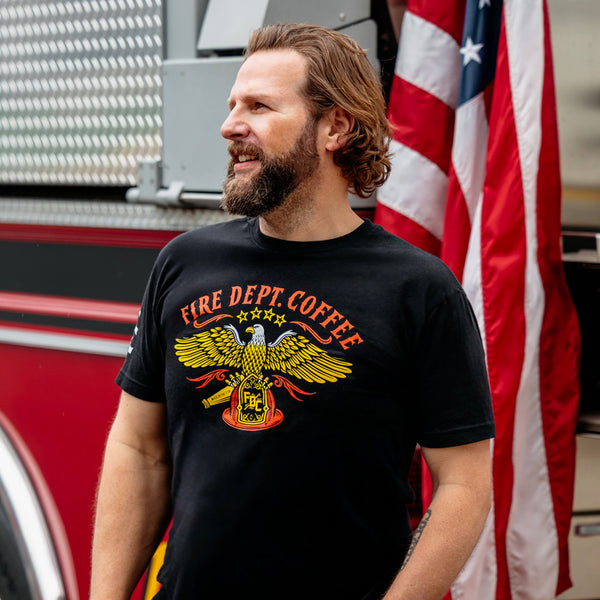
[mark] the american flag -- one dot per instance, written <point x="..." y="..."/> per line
<point x="476" y="180"/>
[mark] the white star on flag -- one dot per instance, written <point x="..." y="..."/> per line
<point x="470" y="51"/>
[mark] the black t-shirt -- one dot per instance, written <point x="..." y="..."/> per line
<point x="298" y="377"/>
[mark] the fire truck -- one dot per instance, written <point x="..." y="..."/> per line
<point x="110" y="113"/>
<point x="110" y="147"/>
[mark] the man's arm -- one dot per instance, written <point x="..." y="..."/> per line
<point x="133" y="505"/>
<point x="451" y="527"/>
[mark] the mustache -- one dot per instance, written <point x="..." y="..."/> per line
<point x="237" y="148"/>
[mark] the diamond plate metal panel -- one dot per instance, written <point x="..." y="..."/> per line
<point x="80" y="90"/>
<point x="111" y="215"/>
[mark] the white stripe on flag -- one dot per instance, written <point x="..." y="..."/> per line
<point x="477" y="580"/>
<point x="469" y="148"/>
<point x="406" y="193"/>
<point x="429" y="58"/>
<point x="471" y="280"/>
<point x="533" y="560"/>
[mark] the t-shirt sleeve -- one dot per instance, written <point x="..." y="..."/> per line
<point x="142" y="373"/>
<point x="453" y="396"/>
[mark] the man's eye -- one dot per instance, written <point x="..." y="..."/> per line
<point x="259" y="106"/>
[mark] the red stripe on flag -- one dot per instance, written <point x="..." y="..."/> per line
<point x="422" y="122"/>
<point x="407" y="229"/>
<point x="457" y="224"/>
<point x="503" y="261"/>
<point x="560" y="341"/>
<point x="488" y="94"/>
<point x="448" y="16"/>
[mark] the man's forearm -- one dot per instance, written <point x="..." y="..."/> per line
<point x="441" y="545"/>
<point x="132" y="512"/>
<point x="451" y="527"/>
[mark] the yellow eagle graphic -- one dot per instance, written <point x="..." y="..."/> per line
<point x="252" y="404"/>
<point x="290" y="353"/>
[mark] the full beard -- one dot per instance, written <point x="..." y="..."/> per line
<point x="278" y="178"/>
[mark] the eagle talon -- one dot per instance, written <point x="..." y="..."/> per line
<point x="234" y="380"/>
<point x="265" y="383"/>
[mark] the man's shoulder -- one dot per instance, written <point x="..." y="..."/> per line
<point x="408" y="259"/>
<point x="211" y="236"/>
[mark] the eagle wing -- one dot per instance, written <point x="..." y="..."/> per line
<point x="296" y="355"/>
<point x="220" y="346"/>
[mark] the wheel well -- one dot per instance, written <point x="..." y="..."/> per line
<point x="29" y="567"/>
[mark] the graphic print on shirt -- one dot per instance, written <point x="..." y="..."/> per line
<point x="239" y="352"/>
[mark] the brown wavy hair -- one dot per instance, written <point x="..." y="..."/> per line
<point x="339" y="74"/>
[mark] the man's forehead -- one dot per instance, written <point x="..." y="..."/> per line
<point x="271" y="72"/>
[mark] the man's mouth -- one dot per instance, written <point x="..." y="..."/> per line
<point x="243" y="162"/>
<point x="241" y="158"/>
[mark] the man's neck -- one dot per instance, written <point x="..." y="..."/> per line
<point x="316" y="229"/>
<point x="309" y="216"/>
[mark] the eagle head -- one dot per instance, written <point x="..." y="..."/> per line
<point x="258" y="334"/>
<point x="257" y="329"/>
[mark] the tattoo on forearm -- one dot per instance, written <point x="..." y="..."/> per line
<point x="416" y="537"/>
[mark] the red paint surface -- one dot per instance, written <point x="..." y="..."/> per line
<point x="72" y="308"/>
<point x="61" y="404"/>
<point x="85" y="236"/>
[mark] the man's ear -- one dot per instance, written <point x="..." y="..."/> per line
<point x="340" y="124"/>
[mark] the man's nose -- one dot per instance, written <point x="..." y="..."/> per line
<point x="234" y="126"/>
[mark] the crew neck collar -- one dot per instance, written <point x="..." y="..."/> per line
<point x="277" y="244"/>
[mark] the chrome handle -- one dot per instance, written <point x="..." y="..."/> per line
<point x="587" y="530"/>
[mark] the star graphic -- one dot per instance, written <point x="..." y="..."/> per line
<point x="243" y="316"/>
<point x="280" y="320"/>
<point x="470" y="51"/>
<point x="256" y="313"/>
<point x="269" y="314"/>
<point x="483" y="3"/>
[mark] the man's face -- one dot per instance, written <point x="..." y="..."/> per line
<point x="272" y="137"/>
<point x="267" y="188"/>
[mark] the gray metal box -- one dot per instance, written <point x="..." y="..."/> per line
<point x="333" y="14"/>
<point x="195" y="96"/>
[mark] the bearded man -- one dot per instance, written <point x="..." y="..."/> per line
<point x="286" y="364"/>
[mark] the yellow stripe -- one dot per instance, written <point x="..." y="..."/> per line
<point x="152" y="586"/>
